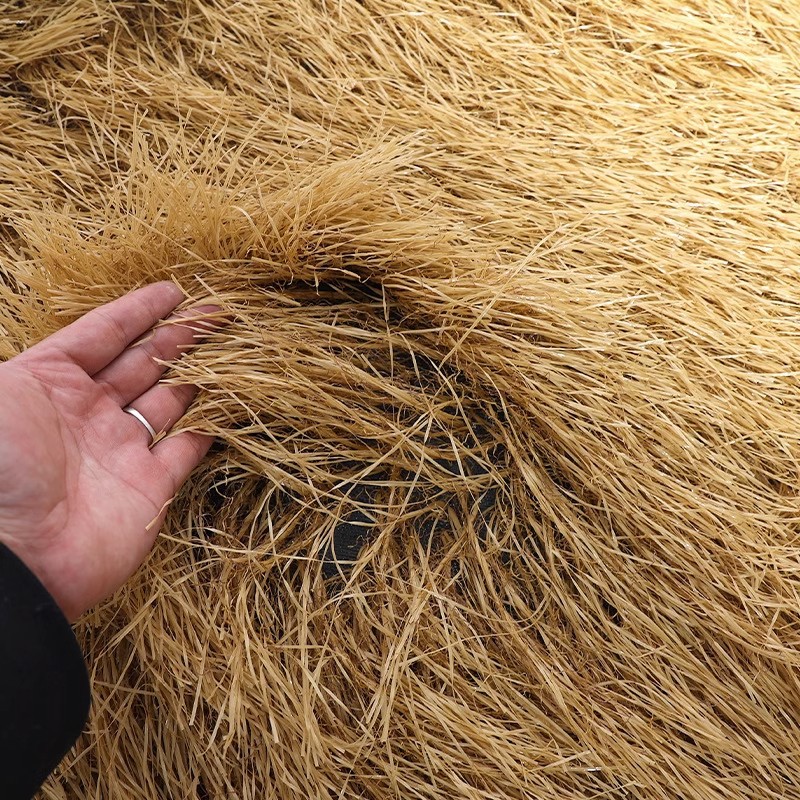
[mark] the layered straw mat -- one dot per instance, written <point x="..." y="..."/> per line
<point x="504" y="501"/>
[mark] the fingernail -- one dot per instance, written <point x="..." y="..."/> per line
<point x="206" y="309"/>
<point x="175" y="290"/>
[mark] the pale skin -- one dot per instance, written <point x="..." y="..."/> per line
<point x="82" y="493"/>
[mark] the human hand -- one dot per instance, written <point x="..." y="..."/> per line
<point x="79" y="483"/>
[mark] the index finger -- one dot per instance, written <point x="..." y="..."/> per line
<point x="98" y="337"/>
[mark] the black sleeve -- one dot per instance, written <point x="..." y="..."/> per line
<point x="44" y="687"/>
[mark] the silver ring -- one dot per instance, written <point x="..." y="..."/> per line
<point x="134" y="413"/>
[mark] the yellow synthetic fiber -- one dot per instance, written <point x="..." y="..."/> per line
<point x="515" y="287"/>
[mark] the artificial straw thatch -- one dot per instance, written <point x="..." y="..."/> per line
<point x="504" y="502"/>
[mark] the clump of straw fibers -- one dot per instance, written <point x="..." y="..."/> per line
<point x="515" y="296"/>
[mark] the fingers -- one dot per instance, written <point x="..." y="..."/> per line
<point x="135" y="370"/>
<point x="98" y="337"/>
<point x="100" y="344"/>
<point x="162" y="406"/>
<point x="181" y="453"/>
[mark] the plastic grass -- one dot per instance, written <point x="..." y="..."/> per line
<point x="516" y="293"/>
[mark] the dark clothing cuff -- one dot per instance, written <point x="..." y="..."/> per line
<point x="44" y="686"/>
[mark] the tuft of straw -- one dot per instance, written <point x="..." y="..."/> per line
<point x="516" y="297"/>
